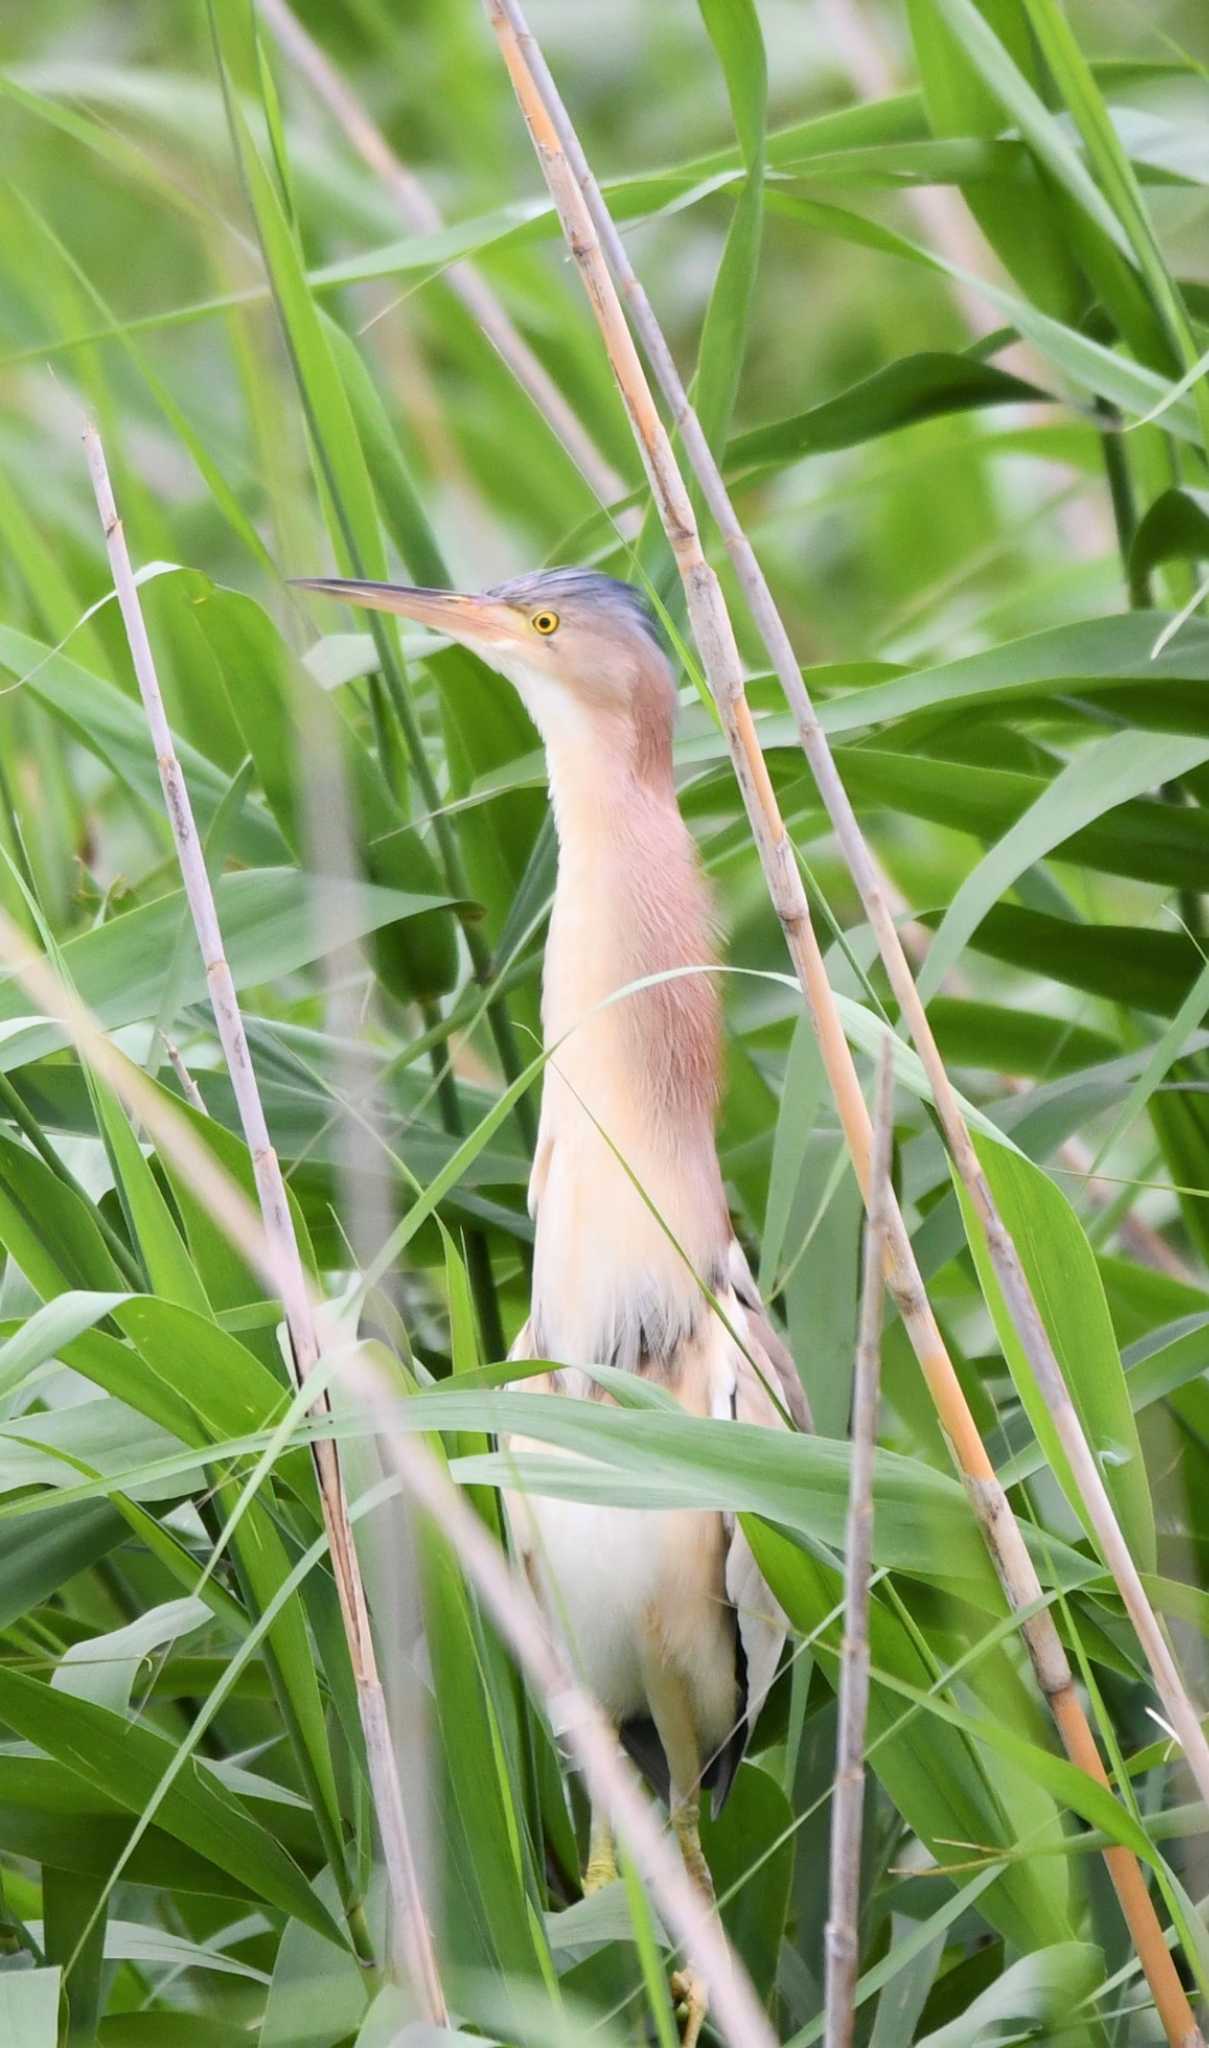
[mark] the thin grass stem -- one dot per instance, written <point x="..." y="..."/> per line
<point x="841" y="1933"/>
<point x="284" y="1262"/>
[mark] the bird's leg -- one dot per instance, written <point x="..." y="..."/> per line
<point x="602" y="1855"/>
<point x="671" y="1710"/>
<point x="686" y="1820"/>
<point x="688" y="1984"/>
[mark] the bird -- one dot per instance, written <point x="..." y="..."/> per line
<point x="636" y="1264"/>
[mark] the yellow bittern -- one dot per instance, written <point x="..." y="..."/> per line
<point x="664" y="1612"/>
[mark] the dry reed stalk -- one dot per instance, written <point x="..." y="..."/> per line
<point x="415" y="1941"/>
<point x="419" y="212"/>
<point x="503" y="1591"/>
<point x="583" y="213"/>
<point x="561" y="144"/>
<point x="848" y="1797"/>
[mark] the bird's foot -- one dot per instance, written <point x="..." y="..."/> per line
<point x="692" y="2005"/>
<point x="601" y="1870"/>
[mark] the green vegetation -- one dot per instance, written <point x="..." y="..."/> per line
<point x="946" y="332"/>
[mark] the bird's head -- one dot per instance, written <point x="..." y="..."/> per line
<point x="582" y="649"/>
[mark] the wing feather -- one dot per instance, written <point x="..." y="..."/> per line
<point x="784" y="1374"/>
<point x="748" y="1396"/>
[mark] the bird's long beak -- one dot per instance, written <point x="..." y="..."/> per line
<point x="476" y="621"/>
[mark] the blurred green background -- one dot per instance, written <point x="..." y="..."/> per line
<point x="928" y="308"/>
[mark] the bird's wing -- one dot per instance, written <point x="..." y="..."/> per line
<point x="758" y="1382"/>
<point x="764" y="1343"/>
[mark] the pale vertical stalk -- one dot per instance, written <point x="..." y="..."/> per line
<point x="848" y="1796"/>
<point x="502" y="1590"/>
<point x="414" y="1936"/>
<point x="419" y="212"/>
<point x="365" y="1209"/>
<point x="587" y="226"/>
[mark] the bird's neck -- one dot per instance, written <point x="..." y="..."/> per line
<point x="630" y="903"/>
<point x="631" y="1089"/>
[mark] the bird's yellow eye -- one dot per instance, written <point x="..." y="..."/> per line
<point x="545" y="623"/>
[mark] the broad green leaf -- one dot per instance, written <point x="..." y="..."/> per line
<point x="972" y="26"/>
<point x="734" y="29"/>
<point x="1012" y="1040"/>
<point x="1163" y="1055"/>
<point x="487" y="1922"/>
<point x="1176" y="526"/>
<point x="1110" y="162"/>
<point x="43" y="1554"/>
<point x="1153" y="970"/>
<point x="230" y="1281"/>
<point x="1095" y="654"/>
<point x="1088" y="363"/>
<point x="750" y="1849"/>
<point x="1041" y="1991"/>
<point x="163" y="2029"/>
<point x="53" y="1817"/>
<point x="903" y="2000"/>
<point x="800" y="1097"/>
<point x="1154" y="1375"/>
<point x="1061" y="1270"/>
<point x="96" y="1436"/>
<point x="996" y="43"/>
<point x="127" y="1759"/>
<point x="905" y="1956"/>
<point x="316" y="1998"/>
<point x="48" y="1228"/>
<point x="106" y="1668"/>
<point x="191" y="1375"/>
<point x="1020" y="220"/>
<point x="48" y="1330"/>
<point x="1182" y="1126"/>
<point x="1154" y="842"/>
<point x="73" y="1940"/>
<point x="134" y="1941"/>
<point x="919" y="387"/>
<point x="922" y="1521"/>
<point x="398" y="496"/>
<point x="110" y="725"/>
<point x="1083" y="1794"/>
<point x="1094" y="782"/>
<point x="170" y="1271"/>
<point x="274" y="920"/>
